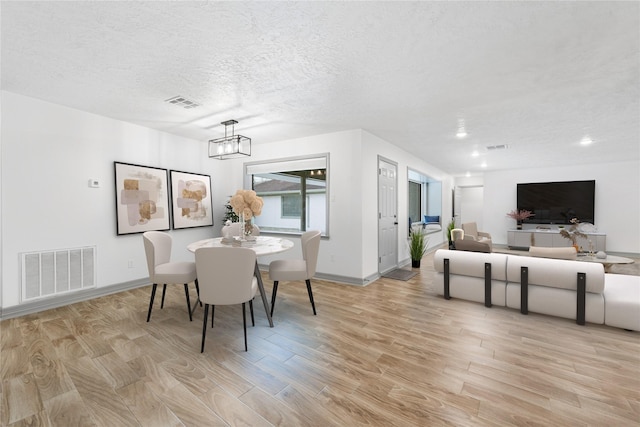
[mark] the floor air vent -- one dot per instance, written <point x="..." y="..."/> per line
<point x="57" y="272"/>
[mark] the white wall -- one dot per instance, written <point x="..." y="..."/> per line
<point x="49" y="152"/>
<point x="471" y="205"/>
<point x="351" y="251"/>
<point x="617" y="199"/>
<point x="340" y="254"/>
<point x="372" y="146"/>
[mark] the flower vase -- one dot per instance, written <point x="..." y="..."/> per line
<point x="247" y="227"/>
<point x="241" y="228"/>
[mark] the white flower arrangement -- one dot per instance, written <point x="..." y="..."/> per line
<point x="246" y="203"/>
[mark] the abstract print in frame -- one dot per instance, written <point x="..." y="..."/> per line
<point x="142" y="198"/>
<point x="191" y="201"/>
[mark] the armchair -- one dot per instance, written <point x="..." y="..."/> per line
<point x="471" y="232"/>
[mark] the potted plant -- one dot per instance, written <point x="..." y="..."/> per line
<point x="450" y="227"/>
<point x="417" y="247"/>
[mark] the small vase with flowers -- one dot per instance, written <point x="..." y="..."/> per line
<point x="572" y="233"/>
<point x="519" y="216"/>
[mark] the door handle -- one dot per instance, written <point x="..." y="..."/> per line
<point x="395" y="223"/>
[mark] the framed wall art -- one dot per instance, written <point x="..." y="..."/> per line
<point x="191" y="201"/>
<point x="142" y="198"/>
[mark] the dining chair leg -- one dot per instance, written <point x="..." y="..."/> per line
<point x="253" y="322"/>
<point x="213" y="310"/>
<point x="198" y="291"/>
<point x="311" y="296"/>
<point x="153" y="295"/>
<point x="204" y="326"/>
<point x="244" y="324"/>
<point x="186" y="292"/>
<point x="164" y="290"/>
<point x="273" y="295"/>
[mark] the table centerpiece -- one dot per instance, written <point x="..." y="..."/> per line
<point x="246" y="204"/>
<point x="573" y="232"/>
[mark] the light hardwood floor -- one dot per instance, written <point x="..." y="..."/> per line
<point x="389" y="354"/>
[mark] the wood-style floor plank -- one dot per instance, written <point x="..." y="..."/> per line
<point x="388" y="354"/>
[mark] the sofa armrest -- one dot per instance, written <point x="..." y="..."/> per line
<point x="483" y="234"/>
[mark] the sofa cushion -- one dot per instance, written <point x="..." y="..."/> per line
<point x="470" y="288"/>
<point x="622" y="301"/>
<point x="556" y="273"/>
<point x="471" y="263"/>
<point x="557" y="302"/>
<point x="428" y="219"/>
<point x="558" y="253"/>
<point x="471" y="229"/>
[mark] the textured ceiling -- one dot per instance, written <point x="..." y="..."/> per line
<point x="536" y="76"/>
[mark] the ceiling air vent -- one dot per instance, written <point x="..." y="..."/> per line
<point x="183" y="102"/>
<point x="497" y="147"/>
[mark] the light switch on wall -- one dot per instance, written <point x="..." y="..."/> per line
<point x="94" y="183"/>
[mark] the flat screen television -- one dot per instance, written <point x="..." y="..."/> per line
<point x="558" y="202"/>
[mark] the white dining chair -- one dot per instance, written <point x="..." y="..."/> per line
<point x="157" y="247"/>
<point x="297" y="269"/>
<point x="226" y="276"/>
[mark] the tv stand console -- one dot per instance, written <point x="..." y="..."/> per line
<point x="523" y="239"/>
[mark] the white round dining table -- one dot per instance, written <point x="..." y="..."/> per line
<point x="262" y="245"/>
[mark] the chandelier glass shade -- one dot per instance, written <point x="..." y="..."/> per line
<point x="230" y="146"/>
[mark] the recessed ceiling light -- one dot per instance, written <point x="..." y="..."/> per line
<point x="468" y="174"/>
<point x="475" y="153"/>
<point x="586" y="140"/>
<point x="483" y="165"/>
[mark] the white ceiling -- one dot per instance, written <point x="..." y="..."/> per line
<point x="536" y="76"/>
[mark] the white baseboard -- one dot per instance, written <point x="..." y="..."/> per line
<point x="66" y="299"/>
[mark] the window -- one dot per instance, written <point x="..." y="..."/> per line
<point x="294" y="191"/>
<point x="415" y="202"/>
<point x="424" y="199"/>
<point x="291" y="205"/>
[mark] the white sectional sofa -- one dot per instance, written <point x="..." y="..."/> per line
<point x="557" y="287"/>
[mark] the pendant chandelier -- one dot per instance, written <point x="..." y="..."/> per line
<point x="230" y="146"/>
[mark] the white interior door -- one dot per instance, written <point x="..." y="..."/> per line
<point x="387" y="216"/>
<point x="471" y="203"/>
